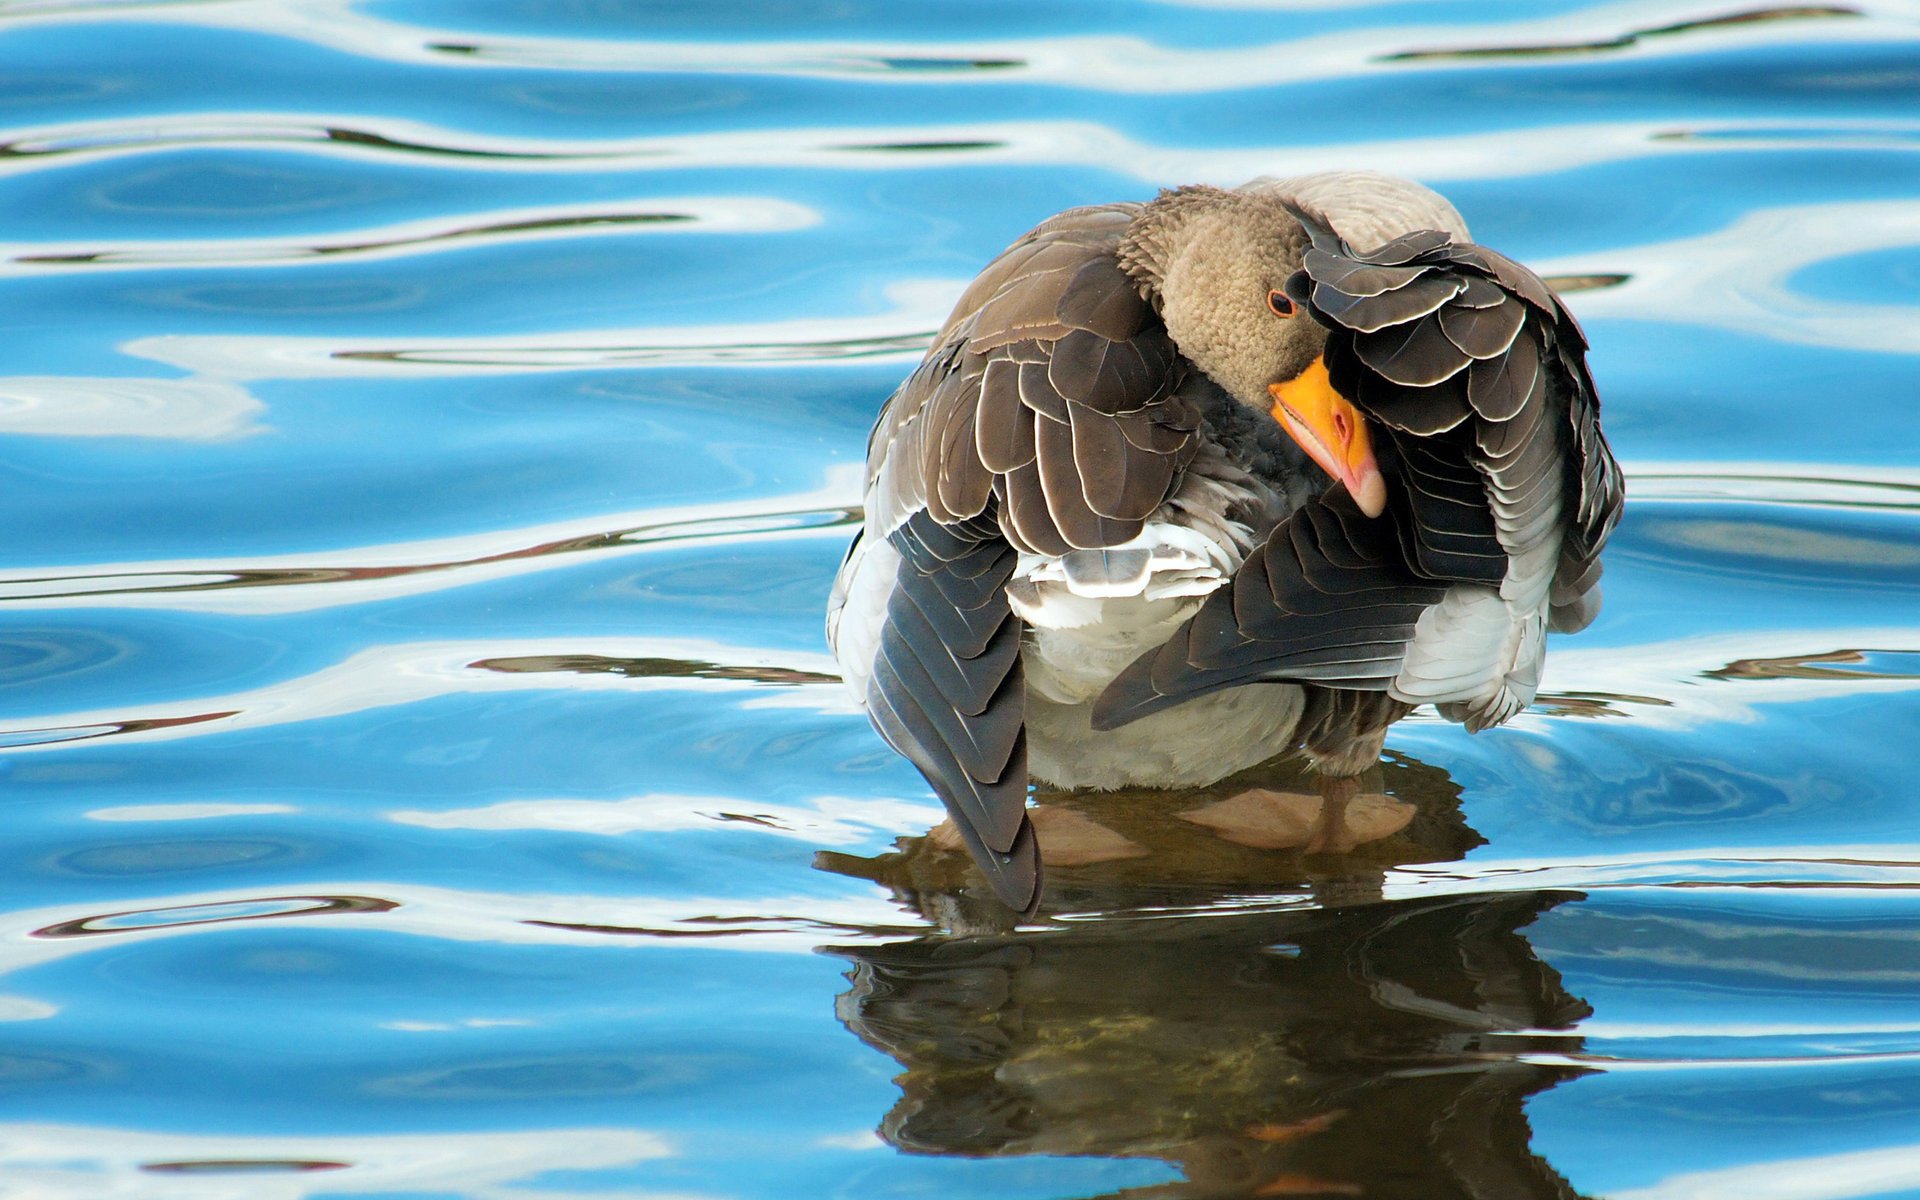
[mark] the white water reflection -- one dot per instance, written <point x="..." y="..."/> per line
<point x="1740" y="278"/>
<point x="776" y="922"/>
<point x="1841" y="871"/>
<point x="365" y="574"/>
<point x="1094" y="62"/>
<point x="915" y="309"/>
<point x="52" y="1162"/>
<point x="1434" y="157"/>
<point x="184" y="812"/>
<point x="389" y="676"/>
<point x="455" y="1026"/>
<point x="828" y="820"/>
<point x="405" y="239"/>
<point x="25" y="1008"/>
<point x="1707" y="693"/>
<point x="194" y="410"/>
<point x="1860" y="1173"/>
<point x="1785" y="483"/>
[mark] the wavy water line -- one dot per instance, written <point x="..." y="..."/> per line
<point x="263" y="908"/>
<point x="1436" y="157"/>
<point x="1791" y="484"/>
<point x="379" y="137"/>
<point x="1850" y="1175"/>
<point x="1738" y="277"/>
<point x="410" y="239"/>
<point x="532" y="918"/>
<point x="389" y="676"/>
<point x="1131" y="65"/>
<point x="1598" y="1029"/>
<point x="492" y="1164"/>
<point x="1735" y="278"/>
<point x="639" y="347"/>
<point x="1757" y="1062"/>
<point x="754" y="924"/>
<point x="1663" y="669"/>
<point x="123" y="406"/>
<point x="1712" y="692"/>
<point x="822" y="820"/>
<point x="902" y="333"/>
<point x="1840" y="870"/>
<point x="1566" y="39"/>
<point x="372" y="573"/>
<point x="1110" y="63"/>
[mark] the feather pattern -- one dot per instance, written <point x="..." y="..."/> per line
<point x="1487" y="424"/>
<point x="1049" y="421"/>
<point x="947" y="691"/>
<point x="1072" y="527"/>
<point x="1478" y="652"/>
<point x="1329" y="598"/>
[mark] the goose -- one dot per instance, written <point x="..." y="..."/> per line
<point x="1189" y="483"/>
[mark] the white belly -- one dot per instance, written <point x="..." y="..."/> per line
<point x="1082" y="632"/>
<point x="1088" y="616"/>
<point x="1196" y="743"/>
<point x="1205" y="739"/>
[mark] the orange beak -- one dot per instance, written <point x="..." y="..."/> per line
<point x="1333" y="434"/>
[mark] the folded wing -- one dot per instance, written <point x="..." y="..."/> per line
<point x="1046" y="419"/>
<point x="1503" y="492"/>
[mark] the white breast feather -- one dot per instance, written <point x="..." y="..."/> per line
<point x="1090" y="613"/>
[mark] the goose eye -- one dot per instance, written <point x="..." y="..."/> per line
<point x="1281" y="303"/>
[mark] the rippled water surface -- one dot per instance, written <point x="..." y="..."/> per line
<point x="430" y="430"/>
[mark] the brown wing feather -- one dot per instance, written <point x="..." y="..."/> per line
<point x="947" y="692"/>
<point x="1525" y="398"/>
<point x="1328" y="598"/>
<point x="1489" y="425"/>
<point x="1046" y="418"/>
<point x="1598" y="490"/>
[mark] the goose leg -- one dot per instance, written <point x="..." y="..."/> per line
<point x="1338" y="818"/>
<point x="1332" y="832"/>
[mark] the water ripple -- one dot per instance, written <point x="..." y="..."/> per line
<point x="99" y="1160"/>
<point x="265" y="908"/>
<point x="1836" y="870"/>
<point x="339" y="707"/>
<point x="242" y="1166"/>
<point x="387" y="676"/>
<point x="1101" y="62"/>
<point x="824" y="820"/>
<point x="371" y="573"/>
<point x="1436" y="156"/>
<point x="1741" y="277"/>
<point x="1857" y="1173"/>
<point x="1632" y="37"/>
<point x="199" y="410"/>
<point x="707" y="214"/>
<point x="900" y="335"/>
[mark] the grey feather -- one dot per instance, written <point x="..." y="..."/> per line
<point x="1054" y="417"/>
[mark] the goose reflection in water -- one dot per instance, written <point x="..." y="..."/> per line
<point x="1346" y="1046"/>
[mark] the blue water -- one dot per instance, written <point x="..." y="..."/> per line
<point x="429" y="431"/>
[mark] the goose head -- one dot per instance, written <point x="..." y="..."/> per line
<point x="1216" y="265"/>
